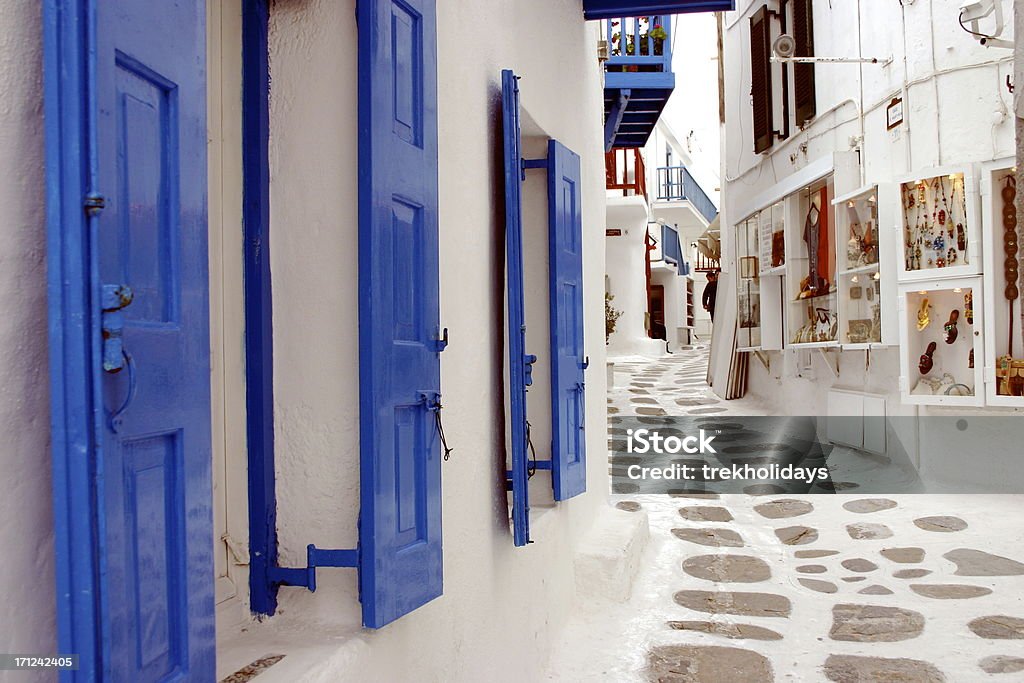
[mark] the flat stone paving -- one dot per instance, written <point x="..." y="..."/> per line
<point x="740" y="591"/>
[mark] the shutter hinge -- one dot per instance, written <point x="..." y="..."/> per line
<point x="94" y="203"/>
<point x="315" y="557"/>
<point x="441" y="343"/>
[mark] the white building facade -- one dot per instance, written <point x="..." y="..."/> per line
<point x="864" y="195"/>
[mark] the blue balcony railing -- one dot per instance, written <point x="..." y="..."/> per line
<point x="675" y="184"/>
<point x="639" y="44"/>
<point x="672" y="251"/>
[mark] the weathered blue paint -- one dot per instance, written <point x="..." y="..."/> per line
<point x="126" y="117"/>
<point x="399" y="363"/>
<point x="520" y="364"/>
<point x="259" y="328"/>
<point x="568" y="357"/>
<point x="606" y="9"/>
<point x="73" y="342"/>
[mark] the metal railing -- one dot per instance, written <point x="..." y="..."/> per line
<point x="639" y="43"/>
<point x="624" y="170"/>
<point x="672" y="251"/>
<point x="675" y="184"/>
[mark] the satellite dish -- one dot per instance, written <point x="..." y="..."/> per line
<point x="784" y="46"/>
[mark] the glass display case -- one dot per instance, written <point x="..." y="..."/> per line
<point x="941" y="350"/>
<point x="772" y="237"/>
<point x="1004" y="330"/>
<point x="859" y="286"/>
<point x="748" y="285"/>
<point x="939" y="225"/>
<point x="812" y="305"/>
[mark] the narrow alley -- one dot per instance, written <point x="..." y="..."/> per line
<point x="738" y="587"/>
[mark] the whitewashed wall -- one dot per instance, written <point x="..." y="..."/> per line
<point x="501" y="603"/>
<point x="956" y="111"/>
<point x="26" y="523"/>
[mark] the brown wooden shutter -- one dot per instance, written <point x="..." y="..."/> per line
<point x="761" y="80"/>
<point x="803" y="74"/>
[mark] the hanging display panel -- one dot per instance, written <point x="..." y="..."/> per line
<point x="1004" y="333"/>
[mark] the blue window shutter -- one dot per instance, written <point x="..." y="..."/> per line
<point x="518" y="362"/>
<point x="400" y="559"/>
<point x="568" y="359"/>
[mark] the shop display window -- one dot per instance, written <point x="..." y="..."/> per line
<point x="812" y="283"/>
<point x="942" y="355"/>
<point x="748" y="286"/>
<point x="939" y="226"/>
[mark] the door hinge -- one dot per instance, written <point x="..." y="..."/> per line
<point x="528" y="361"/>
<point x="441" y="343"/>
<point x="94" y="203"/>
<point x="315" y="557"/>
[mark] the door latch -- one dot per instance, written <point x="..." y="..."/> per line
<point x="528" y="361"/>
<point x="113" y="300"/>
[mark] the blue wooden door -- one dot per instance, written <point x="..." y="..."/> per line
<point x="399" y="335"/>
<point x="568" y="359"/>
<point x="519" y="363"/>
<point x="155" y="455"/>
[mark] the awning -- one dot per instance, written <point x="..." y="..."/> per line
<point x="606" y="9"/>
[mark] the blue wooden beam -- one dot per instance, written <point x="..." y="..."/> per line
<point x="606" y="9"/>
<point x="614" y="119"/>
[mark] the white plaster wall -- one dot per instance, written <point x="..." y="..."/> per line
<point x="627" y="279"/>
<point x="28" y="616"/>
<point x="954" y="94"/>
<point x="501" y="603"/>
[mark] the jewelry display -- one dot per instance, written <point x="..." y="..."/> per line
<point x="934" y="213"/>
<point x="969" y="307"/>
<point x="1010" y="370"/>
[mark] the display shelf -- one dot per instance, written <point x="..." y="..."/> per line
<point x="1004" y="332"/>
<point x="748" y="284"/>
<point x="812" y="310"/>
<point x="937" y="366"/>
<point x="860" y="307"/>
<point x="938" y="220"/>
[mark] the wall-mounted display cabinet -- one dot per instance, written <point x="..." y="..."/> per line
<point x="866" y="285"/>
<point x="1004" y="331"/>
<point x="748" y="284"/>
<point x="811" y="284"/>
<point x="772" y="237"/>
<point x="939" y="223"/>
<point x="941" y="350"/>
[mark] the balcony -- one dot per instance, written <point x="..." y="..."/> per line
<point x="625" y="171"/>
<point x="638" y="78"/>
<point x="680" y="199"/>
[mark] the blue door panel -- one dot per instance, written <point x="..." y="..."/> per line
<point x="568" y="359"/>
<point x="139" y="153"/>
<point x="518" y="361"/>
<point x="400" y="559"/>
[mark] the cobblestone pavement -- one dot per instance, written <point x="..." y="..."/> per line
<point x="849" y="588"/>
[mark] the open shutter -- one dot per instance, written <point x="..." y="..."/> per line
<point x="518" y="362"/>
<point x="565" y="235"/>
<point x="803" y="74"/>
<point x="399" y="365"/>
<point x="761" y="80"/>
